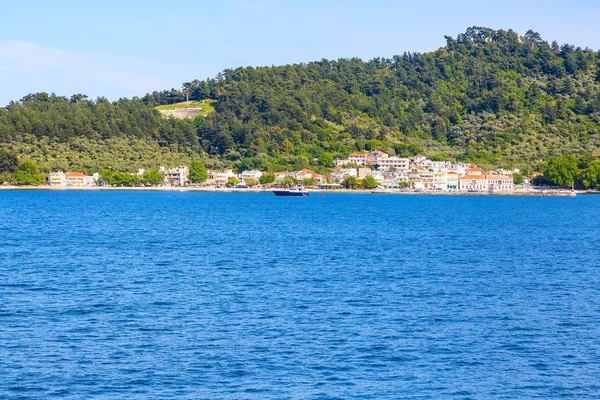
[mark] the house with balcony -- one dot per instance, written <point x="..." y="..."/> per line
<point x="176" y="176"/>
<point x="453" y="180"/>
<point x="307" y="174"/>
<point x="394" y="163"/>
<point x="219" y="177"/>
<point x="75" y="179"/>
<point x="341" y="173"/>
<point x="251" y="174"/>
<point x="57" y="178"/>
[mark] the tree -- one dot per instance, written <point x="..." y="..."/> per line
<point x="561" y="171"/>
<point x="250" y="182"/>
<point x="28" y="173"/>
<point x="308" y="182"/>
<point x="289" y="181"/>
<point x="265" y="179"/>
<point x="8" y="161"/>
<point x="198" y="172"/>
<point x="369" y="182"/>
<point x="152" y="177"/>
<point x="326" y="159"/>
<point x="518" y="178"/>
<point x="119" y="178"/>
<point x="590" y="176"/>
<point x="350" y="182"/>
<point x="233" y="181"/>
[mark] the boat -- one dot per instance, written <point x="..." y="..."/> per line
<point x="382" y="191"/>
<point x="291" y="192"/>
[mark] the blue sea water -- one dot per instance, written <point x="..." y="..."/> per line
<point x="168" y="295"/>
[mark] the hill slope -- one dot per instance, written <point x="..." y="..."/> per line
<point x="488" y="96"/>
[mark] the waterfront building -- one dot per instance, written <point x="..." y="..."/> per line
<point x="75" y="179"/>
<point x="251" y="174"/>
<point x="57" y="179"/>
<point x="219" y="176"/>
<point x="427" y="177"/>
<point x="486" y="182"/>
<point x="473" y="182"/>
<point x="279" y="176"/>
<point x="342" y="173"/>
<point x="440" y="181"/>
<point x="500" y="183"/>
<point x="176" y="176"/>
<point x="364" y="172"/>
<point x="452" y="180"/>
<point x="91" y="180"/>
<point x="307" y="174"/>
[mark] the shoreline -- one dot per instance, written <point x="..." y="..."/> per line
<point x="517" y="193"/>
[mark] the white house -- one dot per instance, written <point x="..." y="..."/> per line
<point x="358" y="158"/>
<point x="386" y="163"/>
<point x="176" y="176"/>
<point x="342" y="173"/>
<point x="452" y="180"/>
<point x="252" y="174"/>
<point x="57" y="179"/>
<point x="75" y="179"/>
<point x="220" y="177"/>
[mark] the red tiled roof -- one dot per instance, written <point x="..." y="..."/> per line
<point x="74" y="175"/>
<point x="473" y="177"/>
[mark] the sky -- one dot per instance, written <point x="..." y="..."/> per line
<point x="126" y="48"/>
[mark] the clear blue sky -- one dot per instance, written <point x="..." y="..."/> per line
<point x="130" y="47"/>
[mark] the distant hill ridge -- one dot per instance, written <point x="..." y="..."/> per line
<point x="491" y="97"/>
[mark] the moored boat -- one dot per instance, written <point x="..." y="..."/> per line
<point x="292" y="192"/>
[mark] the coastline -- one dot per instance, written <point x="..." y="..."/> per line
<point x="519" y="193"/>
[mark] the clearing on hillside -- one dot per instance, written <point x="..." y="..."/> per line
<point x="179" y="110"/>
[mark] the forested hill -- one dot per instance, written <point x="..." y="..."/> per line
<point x="488" y="96"/>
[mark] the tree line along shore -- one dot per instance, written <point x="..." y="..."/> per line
<point x="358" y="171"/>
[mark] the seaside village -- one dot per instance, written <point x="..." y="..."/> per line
<point x="409" y="174"/>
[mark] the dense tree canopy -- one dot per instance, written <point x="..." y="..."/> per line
<point x="198" y="173"/>
<point x="27" y="173"/>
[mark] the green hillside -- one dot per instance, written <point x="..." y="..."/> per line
<point x="491" y="97"/>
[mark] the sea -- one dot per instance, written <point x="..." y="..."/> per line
<point x="187" y="295"/>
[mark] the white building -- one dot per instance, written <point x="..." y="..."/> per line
<point x="386" y="163"/>
<point x="453" y="180"/>
<point x="57" y="179"/>
<point x="364" y="172"/>
<point x="220" y="177"/>
<point x="176" y="176"/>
<point x="75" y="179"/>
<point x="342" y="173"/>
<point x="483" y="182"/>
<point x="252" y="174"/>
<point x="358" y="158"/>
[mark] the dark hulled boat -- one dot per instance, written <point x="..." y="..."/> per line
<point x="292" y="192"/>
